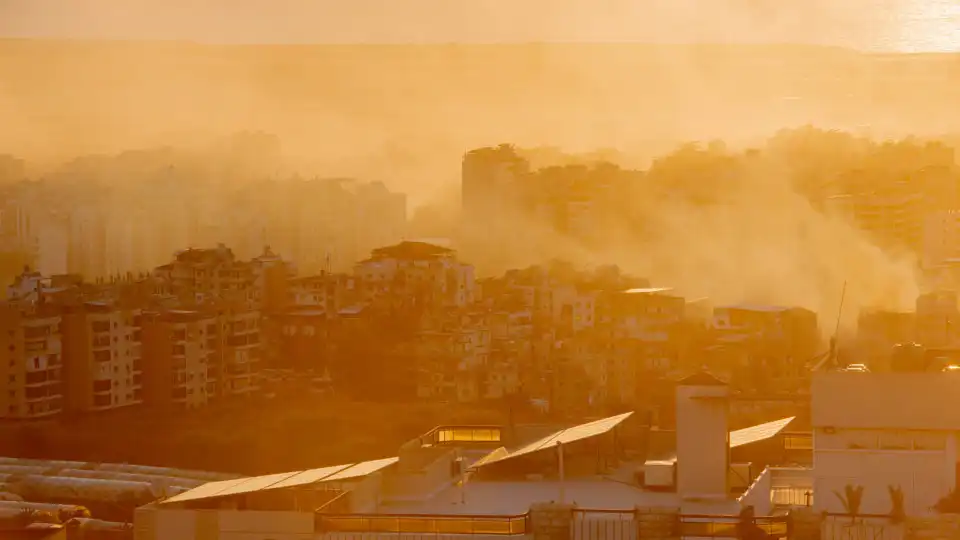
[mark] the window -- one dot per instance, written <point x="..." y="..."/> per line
<point x="928" y="440"/>
<point x="861" y="440"/>
<point x="895" y="440"/>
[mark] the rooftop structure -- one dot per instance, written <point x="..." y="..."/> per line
<point x="469" y="479"/>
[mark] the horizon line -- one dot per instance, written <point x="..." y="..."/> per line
<point x="475" y="43"/>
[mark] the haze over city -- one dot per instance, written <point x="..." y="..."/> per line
<point x="553" y="270"/>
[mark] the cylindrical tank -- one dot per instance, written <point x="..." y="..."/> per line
<point x="205" y="476"/>
<point x="153" y="479"/>
<point x="23" y="469"/>
<point x="53" y="488"/>
<point x="18" y="506"/>
<point x="90" y="524"/>
<point x="42" y="462"/>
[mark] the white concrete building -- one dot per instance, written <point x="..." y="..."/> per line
<point x="883" y="431"/>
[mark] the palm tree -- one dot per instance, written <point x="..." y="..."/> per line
<point x="897" y="507"/>
<point x="851" y="498"/>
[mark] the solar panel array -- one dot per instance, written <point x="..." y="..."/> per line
<point x="227" y="488"/>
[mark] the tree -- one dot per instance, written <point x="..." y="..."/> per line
<point x="851" y="498"/>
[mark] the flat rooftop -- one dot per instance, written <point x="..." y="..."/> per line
<point x="515" y="498"/>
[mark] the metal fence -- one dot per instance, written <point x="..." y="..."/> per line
<point x="720" y="526"/>
<point x="600" y="524"/>
<point x="423" y="524"/>
<point x="860" y="527"/>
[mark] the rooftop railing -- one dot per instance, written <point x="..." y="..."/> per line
<point x="423" y="524"/>
<point x="716" y="526"/>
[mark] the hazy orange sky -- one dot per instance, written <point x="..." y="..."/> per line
<point x="853" y="23"/>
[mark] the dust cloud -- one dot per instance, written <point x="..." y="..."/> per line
<point x="406" y="113"/>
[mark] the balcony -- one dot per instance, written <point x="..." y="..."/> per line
<point x="43" y="377"/>
<point x="100" y="327"/>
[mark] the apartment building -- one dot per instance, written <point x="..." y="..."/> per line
<point x="769" y="346"/>
<point x="490" y="183"/>
<point x="240" y="353"/>
<point x="938" y="319"/>
<point x="940" y="238"/>
<point x="31" y="371"/>
<point x="895" y="219"/>
<point x="325" y="292"/>
<point x="102" y="350"/>
<point x="417" y="273"/>
<point x="198" y="275"/>
<point x="178" y="348"/>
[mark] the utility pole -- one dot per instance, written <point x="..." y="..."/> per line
<point x="562" y="475"/>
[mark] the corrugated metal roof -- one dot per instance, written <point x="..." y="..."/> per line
<point x="227" y="488"/>
<point x="564" y="436"/>
<point x="761" y="432"/>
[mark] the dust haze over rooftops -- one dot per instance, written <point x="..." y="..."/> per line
<point x="162" y="105"/>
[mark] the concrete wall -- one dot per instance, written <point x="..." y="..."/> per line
<point x="932" y="528"/>
<point x="657" y="523"/>
<point x="810" y="525"/>
<point x="152" y="523"/>
<point x="872" y="459"/>
<point x="551" y="521"/>
<point x="758" y="494"/>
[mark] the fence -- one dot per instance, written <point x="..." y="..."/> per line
<point x="860" y="527"/>
<point x="586" y="524"/>
<point x="423" y="524"/>
<point x="596" y="524"/>
<point x="718" y="526"/>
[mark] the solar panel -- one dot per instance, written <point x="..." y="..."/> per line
<point x="239" y="486"/>
<point x="362" y="469"/>
<point x="761" y="432"/>
<point x="256" y="483"/>
<point x="310" y="476"/>
<point x="205" y="491"/>
<point x="565" y="436"/>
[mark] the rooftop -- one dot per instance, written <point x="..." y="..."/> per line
<point x="411" y="250"/>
